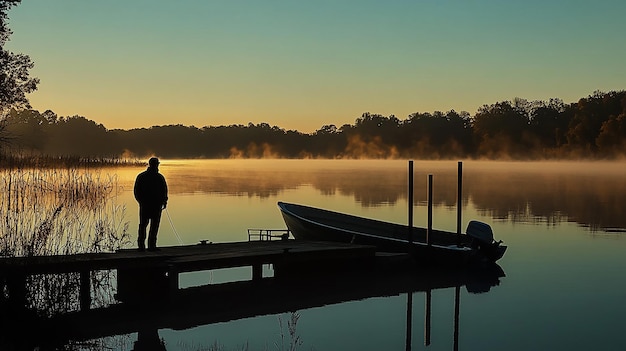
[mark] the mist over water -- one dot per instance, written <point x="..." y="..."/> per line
<point x="586" y="193"/>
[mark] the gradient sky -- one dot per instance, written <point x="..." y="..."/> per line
<point x="303" y="64"/>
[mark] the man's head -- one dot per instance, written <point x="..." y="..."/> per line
<point x="153" y="162"/>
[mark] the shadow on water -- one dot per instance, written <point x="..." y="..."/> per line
<point x="209" y="304"/>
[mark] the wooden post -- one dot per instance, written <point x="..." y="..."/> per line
<point x="173" y="279"/>
<point x="410" y="201"/>
<point x="459" y="202"/>
<point x="430" y="209"/>
<point x="16" y="284"/>
<point x="257" y="272"/>
<point x="3" y="288"/>
<point x="85" y="291"/>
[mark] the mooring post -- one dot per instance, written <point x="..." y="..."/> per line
<point x="257" y="272"/>
<point x="173" y="279"/>
<point x="410" y="201"/>
<point x="459" y="202"/>
<point x="16" y="285"/>
<point x="85" y="291"/>
<point x="430" y="209"/>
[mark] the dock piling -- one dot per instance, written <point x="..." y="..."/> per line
<point x="257" y="272"/>
<point x="85" y="290"/>
<point x="173" y="278"/>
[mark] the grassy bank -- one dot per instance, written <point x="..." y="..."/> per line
<point x="13" y="161"/>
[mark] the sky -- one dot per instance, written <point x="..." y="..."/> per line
<point x="300" y="65"/>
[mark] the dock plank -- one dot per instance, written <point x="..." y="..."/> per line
<point x="210" y="255"/>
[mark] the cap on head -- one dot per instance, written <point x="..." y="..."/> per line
<point x="153" y="162"/>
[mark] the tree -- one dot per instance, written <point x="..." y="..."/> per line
<point x="499" y="128"/>
<point x="549" y="122"/>
<point x="26" y="129"/>
<point x="591" y="117"/>
<point x="15" y="80"/>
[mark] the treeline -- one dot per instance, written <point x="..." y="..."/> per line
<point x="593" y="127"/>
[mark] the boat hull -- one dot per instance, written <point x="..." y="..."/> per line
<point x="309" y="223"/>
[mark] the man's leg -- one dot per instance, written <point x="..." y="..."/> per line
<point x="143" y="225"/>
<point x="155" y="220"/>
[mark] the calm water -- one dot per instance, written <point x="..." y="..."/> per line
<point x="564" y="224"/>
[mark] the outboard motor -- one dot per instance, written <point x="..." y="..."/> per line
<point x="483" y="242"/>
<point x="480" y="232"/>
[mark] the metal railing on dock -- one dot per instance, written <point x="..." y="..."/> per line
<point x="268" y="234"/>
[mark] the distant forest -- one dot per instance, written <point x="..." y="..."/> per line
<point x="593" y="128"/>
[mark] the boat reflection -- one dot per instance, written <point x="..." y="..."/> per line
<point x="204" y="305"/>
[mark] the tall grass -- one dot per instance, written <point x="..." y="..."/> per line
<point x="59" y="211"/>
<point x="51" y="211"/>
<point x="11" y="160"/>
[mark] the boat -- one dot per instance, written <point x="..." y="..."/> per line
<point x="437" y="247"/>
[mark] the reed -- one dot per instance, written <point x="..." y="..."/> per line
<point x="52" y="211"/>
<point x="294" y="339"/>
<point x="13" y="160"/>
<point x="57" y="211"/>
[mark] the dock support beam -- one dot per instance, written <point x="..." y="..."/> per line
<point x="257" y="272"/>
<point x="85" y="290"/>
<point x="16" y="285"/>
<point x="172" y="278"/>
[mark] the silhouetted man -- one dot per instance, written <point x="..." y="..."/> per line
<point x="151" y="193"/>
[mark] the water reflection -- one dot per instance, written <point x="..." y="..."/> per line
<point x="556" y="272"/>
<point x="588" y="193"/>
<point x="209" y="304"/>
<point x="148" y="340"/>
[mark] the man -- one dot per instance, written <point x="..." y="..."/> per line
<point x="151" y="194"/>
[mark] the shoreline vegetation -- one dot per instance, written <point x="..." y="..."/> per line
<point x="593" y="128"/>
<point x="60" y="211"/>
<point x="54" y="211"/>
<point x="17" y="161"/>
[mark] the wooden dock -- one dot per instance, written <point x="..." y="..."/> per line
<point x="217" y="303"/>
<point x="156" y="273"/>
<point x="306" y="275"/>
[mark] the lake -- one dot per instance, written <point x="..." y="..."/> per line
<point x="563" y="222"/>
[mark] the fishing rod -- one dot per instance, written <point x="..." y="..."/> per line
<point x="180" y="241"/>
